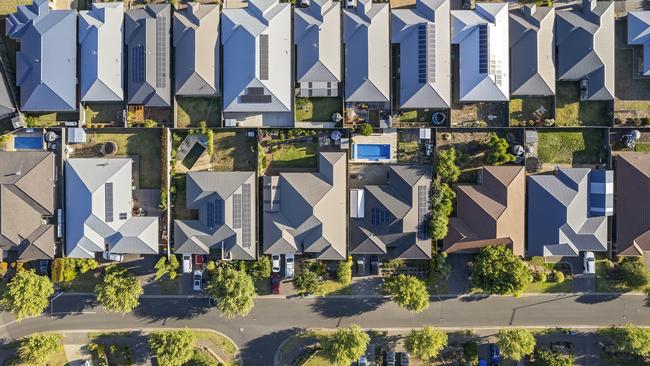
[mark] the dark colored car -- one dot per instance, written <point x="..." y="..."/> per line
<point x="275" y="283"/>
<point x="495" y="355"/>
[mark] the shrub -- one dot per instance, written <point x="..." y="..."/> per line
<point x="149" y="123"/>
<point x="204" y="128"/>
<point x="558" y="276"/>
<point x="439" y="269"/>
<point x="498" y="151"/>
<point x="344" y="272"/>
<point x="633" y="273"/>
<point x="307" y="281"/>
<point x="365" y="129"/>
<point x="261" y="268"/>
<point x="210" y="143"/>
<point x="210" y="266"/>
<point x="470" y="352"/>
<point x="539" y="277"/>
<point x="163" y="200"/>
<point x="446" y="168"/>
<point x="36" y="350"/>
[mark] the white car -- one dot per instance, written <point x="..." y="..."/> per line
<point x="350" y="3"/>
<point x="198" y="277"/>
<point x="304" y="3"/>
<point x="288" y="265"/>
<point x="275" y="263"/>
<point x="363" y="361"/>
<point x="112" y="257"/>
<point x="187" y="263"/>
<point x="589" y="263"/>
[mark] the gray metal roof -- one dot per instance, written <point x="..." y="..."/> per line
<point x="532" y="51"/>
<point x="559" y="223"/>
<point x="101" y="38"/>
<point x="196" y="46"/>
<point x="308" y="213"/>
<point x="46" y="65"/>
<point x="98" y="210"/>
<point x="638" y="33"/>
<point x="482" y="36"/>
<point x="366" y="36"/>
<point x="317" y="35"/>
<point x="424" y="79"/>
<point x="585" y="47"/>
<point x="148" y="42"/>
<point x="26" y="196"/>
<point x="234" y="195"/>
<point x="257" y="57"/>
<point x="395" y="220"/>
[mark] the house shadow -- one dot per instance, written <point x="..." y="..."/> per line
<point x="65" y="306"/>
<point x="337" y="307"/>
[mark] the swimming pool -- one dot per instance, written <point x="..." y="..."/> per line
<point x="28" y="142"/>
<point x="373" y="152"/>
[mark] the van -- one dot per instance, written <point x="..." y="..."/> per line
<point x="187" y="263"/>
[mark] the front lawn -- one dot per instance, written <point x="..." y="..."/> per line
<point x="318" y="359"/>
<point x="566" y="147"/>
<point x="549" y="287"/>
<point x="294" y="155"/>
<point x="571" y="111"/>
<point x="317" y="109"/>
<point x="332" y="287"/>
<point x="191" y="111"/>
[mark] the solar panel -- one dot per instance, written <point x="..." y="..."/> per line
<point x="483" y="48"/>
<point x="422" y="53"/>
<point x="379" y="216"/>
<point x="236" y="211"/>
<point x="218" y="212"/>
<point x="108" y="201"/>
<point x="210" y="212"/>
<point x="431" y="52"/>
<point x="423" y="210"/>
<point x="264" y="57"/>
<point x="137" y="64"/>
<point x="256" y="90"/>
<point x="246" y="216"/>
<point x="255" y="99"/>
<point x="161" y="51"/>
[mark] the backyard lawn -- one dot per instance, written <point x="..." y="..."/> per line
<point x="317" y="109"/>
<point x="104" y="112"/>
<point x="180" y="209"/>
<point x="407" y="150"/>
<point x="523" y="109"/>
<point x="570" y="111"/>
<point x="191" y="111"/>
<point x="582" y="147"/>
<point x="294" y="155"/>
<point x="233" y="151"/>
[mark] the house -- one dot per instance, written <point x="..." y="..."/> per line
<point x="304" y="213"/>
<point x="585" y="48"/>
<point x="101" y="53"/>
<point x="7" y="103"/>
<point x="257" y="58"/>
<point x="226" y="204"/>
<point x="99" y="210"/>
<point x="482" y="38"/>
<point x="392" y="220"/>
<point x="46" y="65"/>
<point x="197" y="48"/>
<point x="567" y="212"/>
<point x="638" y="34"/>
<point x="422" y="35"/>
<point x="366" y="37"/>
<point x="317" y="37"/>
<point x="532" y="51"/>
<point x="491" y="212"/>
<point x="147" y="42"/>
<point x="27" y="205"/>
<point x="632" y="203"/>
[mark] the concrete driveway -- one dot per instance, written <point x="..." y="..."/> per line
<point x="459" y="279"/>
<point x="583" y="283"/>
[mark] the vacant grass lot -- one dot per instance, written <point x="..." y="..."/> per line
<point x="582" y="147"/>
<point x="522" y="109"/>
<point x="317" y="109"/>
<point x="570" y="111"/>
<point x="191" y="111"/>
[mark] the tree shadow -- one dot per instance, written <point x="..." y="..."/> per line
<point x="596" y="299"/>
<point x="136" y="341"/>
<point x="337" y="307"/>
<point x="261" y="350"/>
<point x="70" y="305"/>
<point x="154" y="309"/>
<point x="474" y="298"/>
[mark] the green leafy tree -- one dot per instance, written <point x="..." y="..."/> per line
<point x="439" y="269"/>
<point x="515" y="344"/>
<point x="203" y="125"/>
<point x="498" y="271"/>
<point x="365" y="129"/>
<point x="261" y="268"/>
<point x="172" y="347"/>
<point x="426" y="344"/>
<point x="37" y="349"/>
<point x="546" y="358"/>
<point x="408" y="292"/>
<point x="119" y="291"/>
<point x="149" y="123"/>
<point x="210" y="142"/>
<point x="163" y="267"/>
<point x="307" y="281"/>
<point x="498" y="151"/>
<point x="346" y="345"/>
<point x="27" y="294"/>
<point x="446" y="168"/>
<point x="631" y="339"/>
<point x="344" y="272"/>
<point x="442" y="198"/>
<point x="232" y="290"/>
<point x="633" y="273"/>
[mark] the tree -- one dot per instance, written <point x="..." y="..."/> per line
<point x="172" y="347"/>
<point x="631" y="339"/>
<point x="408" y="292"/>
<point x="149" y="123"/>
<point x="442" y="198"/>
<point x="498" y="151"/>
<point x="365" y="129"/>
<point x="119" y="291"/>
<point x="346" y="345"/>
<point x="307" y="281"/>
<point x="344" y="272"/>
<point x="497" y="270"/>
<point x="261" y="268"/>
<point x="547" y="358"/>
<point x="633" y="273"/>
<point x="439" y="269"/>
<point x="446" y="168"/>
<point x="27" y="294"/>
<point x="203" y="125"/>
<point x="426" y="343"/>
<point x="210" y="143"/>
<point x="37" y="349"/>
<point x="232" y="290"/>
<point x="163" y="267"/>
<point x="515" y="344"/>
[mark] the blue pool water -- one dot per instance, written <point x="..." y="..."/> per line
<point x="28" y="142"/>
<point x="372" y="151"/>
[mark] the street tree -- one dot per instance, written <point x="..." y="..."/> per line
<point x="515" y="344"/>
<point x="163" y="267"/>
<point x="172" y="347"/>
<point x="446" y="168"/>
<point x="307" y="281"/>
<point x="548" y="358"/>
<point x="631" y="339"/>
<point x="346" y="345"/>
<point x="408" y="292"/>
<point x="497" y="270"/>
<point x="27" y="294"/>
<point x="119" y="290"/>
<point x="37" y="349"/>
<point x="232" y="290"/>
<point x="426" y="343"/>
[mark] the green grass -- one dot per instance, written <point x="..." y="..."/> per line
<point x="642" y="147"/>
<point x="103" y="113"/>
<point x="180" y="209"/>
<point x="233" y="151"/>
<point x="84" y="282"/>
<point x="522" y="109"/>
<point x="191" y="111"/>
<point x="604" y="284"/>
<point x="317" y="109"/>
<point x="570" y="111"/>
<point x="549" y="287"/>
<point x="330" y="287"/>
<point x="318" y="359"/>
<point x="222" y="343"/>
<point x="296" y="155"/>
<point x="570" y="147"/>
<point x="406" y="151"/>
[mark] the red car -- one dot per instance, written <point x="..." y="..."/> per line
<point x="198" y="261"/>
<point x="275" y="283"/>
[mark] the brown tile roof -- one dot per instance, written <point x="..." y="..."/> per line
<point x="632" y="203"/>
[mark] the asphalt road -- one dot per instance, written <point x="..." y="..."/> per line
<point x="272" y="320"/>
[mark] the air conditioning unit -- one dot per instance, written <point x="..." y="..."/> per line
<point x="230" y="122"/>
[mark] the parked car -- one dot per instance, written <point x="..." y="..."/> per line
<point x="304" y="3"/>
<point x="495" y="355"/>
<point x="390" y="358"/>
<point x="275" y="283"/>
<point x="187" y="263"/>
<point x="404" y="359"/>
<point x="361" y="266"/>
<point x="112" y="257"/>
<point x="374" y="264"/>
<point x="363" y="361"/>
<point x="288" y="265"/>
<point x="350" y="3"/>
<point x="275" y="263"/>
<point x="198" y="278"/>
<point x="589" y="263"/>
